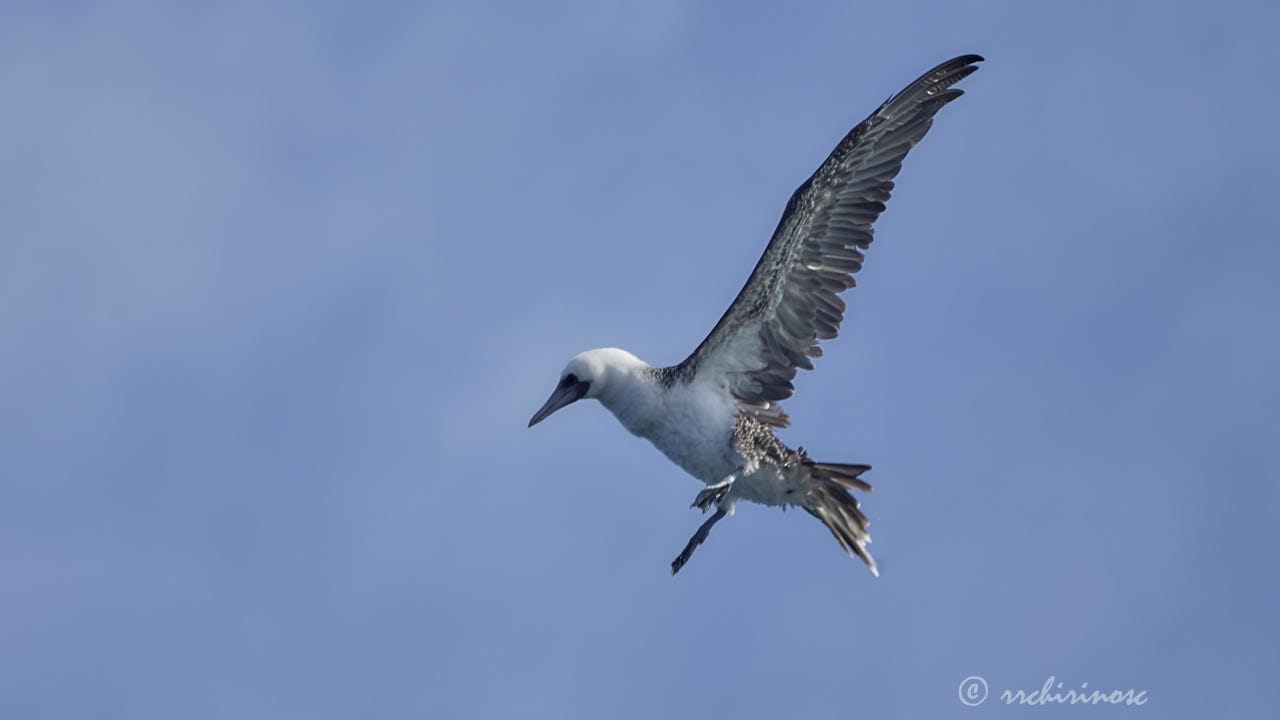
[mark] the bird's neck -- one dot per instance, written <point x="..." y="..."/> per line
<point x="634" y="399"/>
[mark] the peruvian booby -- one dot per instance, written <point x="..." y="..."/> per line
<point x="714" y="414"/>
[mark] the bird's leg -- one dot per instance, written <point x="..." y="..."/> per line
<point x="710" y="495"/>
<point x="713" y="494"/>
<point x="698" y="537"/>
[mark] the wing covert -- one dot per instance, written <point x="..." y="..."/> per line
<point x="791" y="300"/>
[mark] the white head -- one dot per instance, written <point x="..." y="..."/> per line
<point x="593" y="374"/>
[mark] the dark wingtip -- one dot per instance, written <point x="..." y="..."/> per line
<point x="954" y="70"/>
<point x="961" y="61"/>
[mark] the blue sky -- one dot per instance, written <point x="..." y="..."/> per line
<point x="281" y="287"/>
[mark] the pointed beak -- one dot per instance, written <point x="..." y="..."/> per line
<point x="563" y="395"/>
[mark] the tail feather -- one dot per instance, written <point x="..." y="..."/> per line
<point x="829" y="501"/>
<point x="846" y="475"/>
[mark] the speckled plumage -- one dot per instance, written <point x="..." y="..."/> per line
<point x="791" y="301"/>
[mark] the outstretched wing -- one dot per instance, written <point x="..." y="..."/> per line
<point x="791" y="301"/>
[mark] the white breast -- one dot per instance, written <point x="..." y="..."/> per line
<point x="691" y="424"/>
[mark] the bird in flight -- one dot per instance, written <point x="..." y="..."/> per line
<point x="714" y="414"/>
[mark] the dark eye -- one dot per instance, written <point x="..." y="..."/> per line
<point x="569" y="379"/>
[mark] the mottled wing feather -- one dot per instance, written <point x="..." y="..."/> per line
<point x="791" y="302"/>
